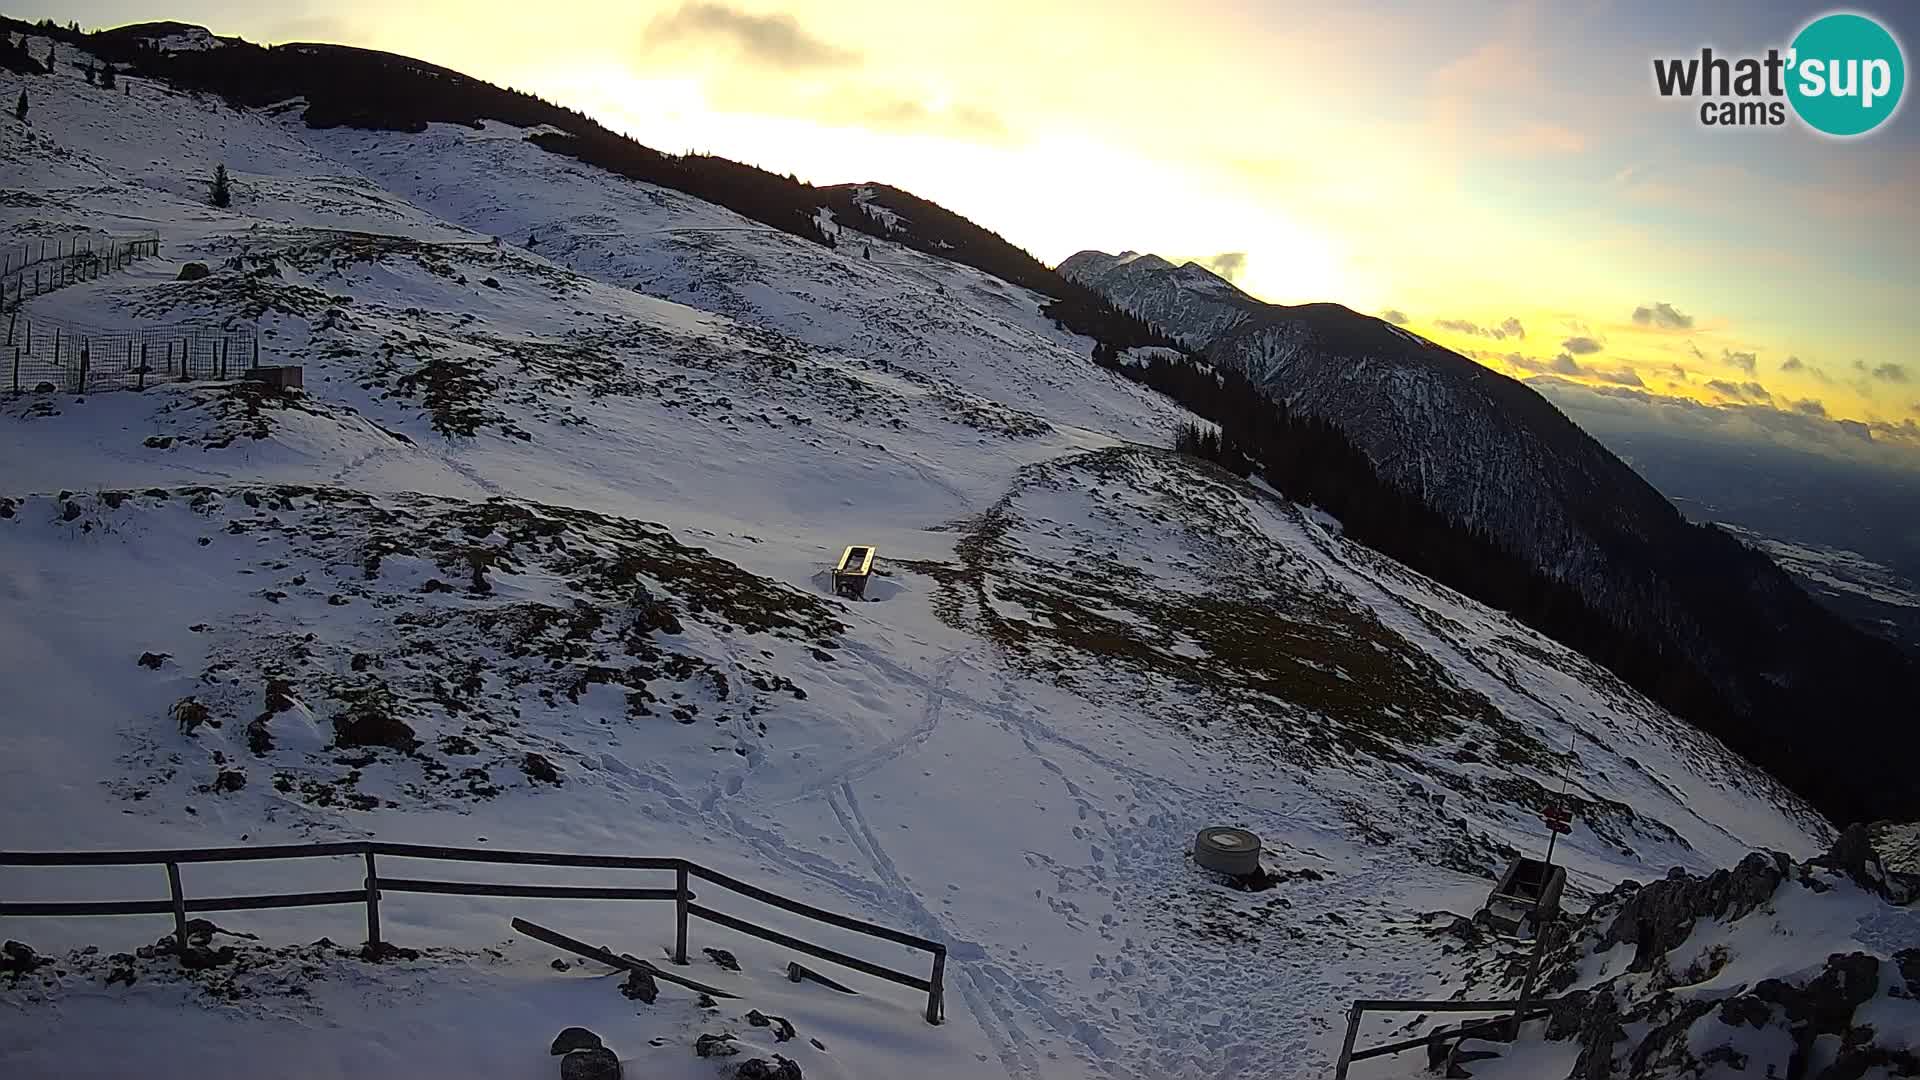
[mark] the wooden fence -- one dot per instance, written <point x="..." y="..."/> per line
<point x="1517" y="1012"/>
<point x="178" y="904"/>
<point x="34" y="268"/>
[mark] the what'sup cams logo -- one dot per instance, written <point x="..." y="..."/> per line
<point x="1843" y="76"/>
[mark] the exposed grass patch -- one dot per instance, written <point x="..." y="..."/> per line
<point x="1300" y="657"/>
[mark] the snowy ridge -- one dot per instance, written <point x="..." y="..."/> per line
<point x="537" y="560"/>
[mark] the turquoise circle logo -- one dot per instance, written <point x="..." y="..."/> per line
<point x="1848" y="74"/>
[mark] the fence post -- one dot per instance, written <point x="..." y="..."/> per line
<point x="16" y="369"/>
<point x="937" y="993"/>
<point x="179" y="908"/>
<point x="1541" y="934"/>
<point x="1346" y="1049"/>
<point x="680" y="914"/>
<point x="373" y="908"/>
<point x="143" y="364"/>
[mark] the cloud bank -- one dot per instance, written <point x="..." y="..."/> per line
<point x="1661" y="315"/>
<point x="775" y="40"/>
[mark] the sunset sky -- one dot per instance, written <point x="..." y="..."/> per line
<point x="1502" y="177"/>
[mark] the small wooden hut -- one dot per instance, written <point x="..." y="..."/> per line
<point x="851" y="573"/>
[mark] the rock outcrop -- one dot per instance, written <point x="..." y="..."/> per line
<point x="1721" y="981"/>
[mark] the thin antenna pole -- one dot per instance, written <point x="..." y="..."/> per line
<point x="1566" y="782"/>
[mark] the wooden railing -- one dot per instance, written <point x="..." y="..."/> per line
<point x="1518" y="1012"/>
<point x="178" y="904"/>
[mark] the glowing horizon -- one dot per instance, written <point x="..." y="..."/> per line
<point x="1467" y="167"/>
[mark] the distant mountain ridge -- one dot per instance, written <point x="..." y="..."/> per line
<point x="1494" y="456"/>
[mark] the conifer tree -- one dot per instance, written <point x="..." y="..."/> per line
<point x="222" y="191"/>
<point x="106" y="77"/>
<point x="20" y="110"/>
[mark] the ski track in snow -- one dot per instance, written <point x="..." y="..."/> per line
<point x="937" y="694"/>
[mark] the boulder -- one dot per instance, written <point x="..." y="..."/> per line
<point x="200" y="957"/>
<point x="574" y="1038"/>
<point x="1655" y="918"/>
<point x="711" y="1045"/>
<point x="372" y="728"/>
<point x="597" y="1063"/>
<point x="782" y="1027"/>
<point x="538" y="768"/>
<point x="122" y="969"/>
<point x="1853" y="854"/>
<point x="774" y="1068"/>
<point x="1599" y="1030"/>
<point x="16" y="958"/>
<point x="1825" y="1005"/>
<point x="193" y="271"/>
<point x="1909" y="963"/>
<point x="723" y="958"/>
<point x="640" y="987"/>
<point x="385" y="951"/>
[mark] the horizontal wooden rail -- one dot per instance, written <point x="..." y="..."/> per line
<point x="1518" y="1012"/>
<point x="1371" y="1005"/>
<point x="858" y="926"/>
<point x="699" y="911"/>
<point x="84" y="907"/>
<point x="278" y="900"/>
<point x="554" y="892"/>
<point x="1462" y="1032"/>
<point x="524" y="858"/>
<point x="373" y="884"/>
<point x="164" y="907"/>
<point x="182" y="855"/>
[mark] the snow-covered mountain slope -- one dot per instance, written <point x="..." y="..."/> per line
<point x="1443" y="427"/>
<point x="1685" y="612"/>
<point x="1194" y="305"/>
<point x="537" y="561"/>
